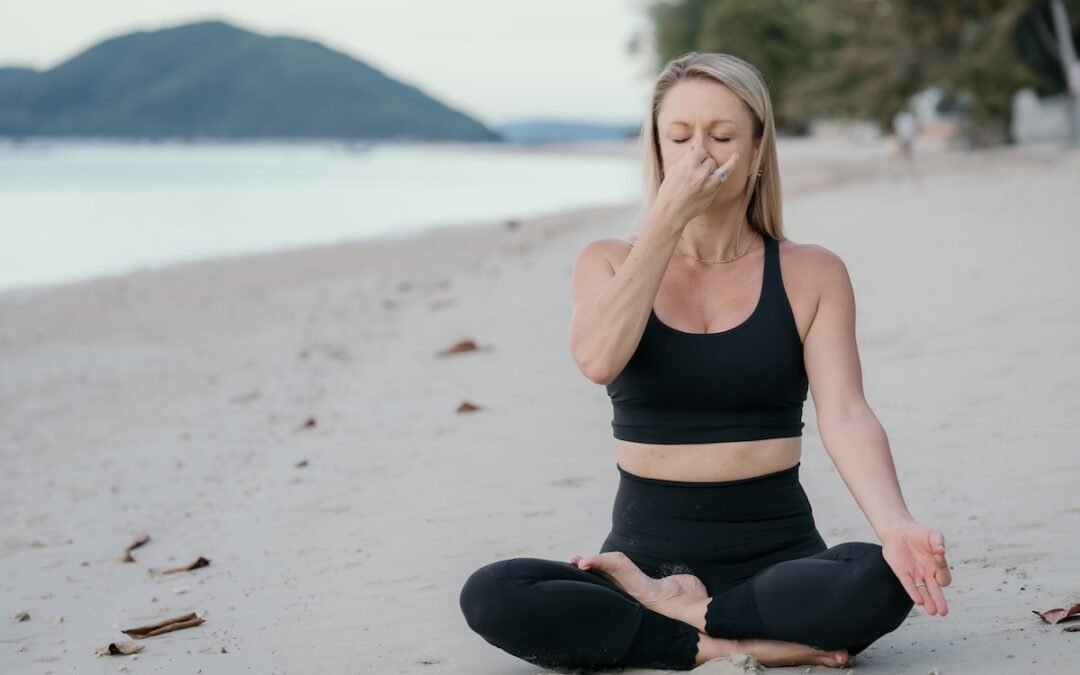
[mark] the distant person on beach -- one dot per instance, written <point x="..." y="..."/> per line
<point x="708" y="328"/>
<point x="905" y="130"/>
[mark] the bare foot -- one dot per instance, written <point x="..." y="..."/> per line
<point x="770" y="653"/>
<point x="680" y="596"/>
<point x="684" y="597"/>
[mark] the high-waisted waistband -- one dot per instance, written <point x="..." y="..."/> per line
<point x="720" y="530"/>
<point x="782" y="474"/>
<point x="766" y="497"/>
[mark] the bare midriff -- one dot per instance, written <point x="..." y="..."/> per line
<point x="709" y="462"/>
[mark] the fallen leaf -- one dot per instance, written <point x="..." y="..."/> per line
<point x="166" y="626"/>
<point x="308" y="423"/>
<point x="462" y="347"/>
<point x="119" y="649"/>
<point x="139" y="540"/>
<point x="201" y="562"/>
<point x="1058" y="614"/>
<point x="467" y="407"/>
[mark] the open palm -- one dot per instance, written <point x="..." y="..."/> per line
<point x="917" y="554"/>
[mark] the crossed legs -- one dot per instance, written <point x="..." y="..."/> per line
<point x="603" y="611"/>
<point x="844" y="597"/>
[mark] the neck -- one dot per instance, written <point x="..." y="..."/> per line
<point x="717" y="237"/>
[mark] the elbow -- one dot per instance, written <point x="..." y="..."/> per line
<point x="592" y="360"/>
<point x="594" y="369"/>
<point x="595" y="372"/>
<point x="603" y="377"/>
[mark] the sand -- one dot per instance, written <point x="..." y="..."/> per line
<point x="286" y="416"/>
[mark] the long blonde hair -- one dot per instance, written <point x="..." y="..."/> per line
<point x="762" y="203"/>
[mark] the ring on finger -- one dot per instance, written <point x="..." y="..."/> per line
<point x="721" y="174"/>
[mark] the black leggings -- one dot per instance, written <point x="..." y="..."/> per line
<point x="752" y="542"/>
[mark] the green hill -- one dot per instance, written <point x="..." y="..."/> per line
<point x="214" y="80"/>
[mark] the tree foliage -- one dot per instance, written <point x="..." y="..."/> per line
<point x="865" y="58"/>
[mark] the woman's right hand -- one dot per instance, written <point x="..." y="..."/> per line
<point x="690" y="185"/>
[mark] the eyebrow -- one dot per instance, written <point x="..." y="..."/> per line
<point x="711" y="124"/>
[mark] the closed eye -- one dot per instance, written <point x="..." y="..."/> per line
<point x="683" y="140"/>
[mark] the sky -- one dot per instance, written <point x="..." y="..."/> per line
<point x="494" y="60"/>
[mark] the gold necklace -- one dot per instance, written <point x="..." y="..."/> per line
<point x="718" y="261"/>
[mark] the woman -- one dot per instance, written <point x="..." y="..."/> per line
<point x="708" y="352"/>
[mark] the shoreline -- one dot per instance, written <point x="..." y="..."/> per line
<point x="808" y="165"/>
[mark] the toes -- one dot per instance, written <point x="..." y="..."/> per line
<point x="609" y="561"/>
<point x="837" y="659"/>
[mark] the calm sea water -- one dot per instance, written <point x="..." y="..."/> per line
<point x="74" y="210"/>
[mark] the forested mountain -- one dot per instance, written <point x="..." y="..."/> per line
<point x="212" y="79"/>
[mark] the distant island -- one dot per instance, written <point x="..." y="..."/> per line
<point x="213" y="80"/>
<point x="539" y="131"/>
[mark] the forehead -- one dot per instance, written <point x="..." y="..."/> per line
<point x="701" y="102"/>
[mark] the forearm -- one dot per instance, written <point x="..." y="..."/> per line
<point x="606" y="336"/>
<point x="859" y="448"/>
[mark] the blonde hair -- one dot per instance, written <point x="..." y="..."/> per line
<point x="762" y="202"/>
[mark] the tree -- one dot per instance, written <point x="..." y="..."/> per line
<point x="865" y="58"/>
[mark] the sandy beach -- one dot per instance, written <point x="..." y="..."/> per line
<point x="288" y="418"/>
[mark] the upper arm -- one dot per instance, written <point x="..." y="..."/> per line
<point x="592" y="272"/>
<point x="830" y="352"/>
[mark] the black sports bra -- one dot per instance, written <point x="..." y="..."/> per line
<point x="745" y="383"/>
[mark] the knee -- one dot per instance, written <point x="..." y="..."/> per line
<point x="890" y="597"/>
<point x="484" y="598"/>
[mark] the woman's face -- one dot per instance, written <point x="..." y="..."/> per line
<point x="706" y="114"/>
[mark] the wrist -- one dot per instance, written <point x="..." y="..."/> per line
<point x="667" y="219"/>
<point x="894" y="525"/>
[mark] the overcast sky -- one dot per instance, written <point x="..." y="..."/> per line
<point x="492" y="59"/>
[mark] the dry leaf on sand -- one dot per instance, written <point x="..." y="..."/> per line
<point x="201" y="562"/>
<point x="1057" y="614"/>
<point x="119" y="649"/>
<point x="166" y="626"/>
<point x="462" y="347"/>
<point x="136" y="543"/>
<point x="467" y="407"/>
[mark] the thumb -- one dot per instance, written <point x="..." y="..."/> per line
<point x="939" y="542"/>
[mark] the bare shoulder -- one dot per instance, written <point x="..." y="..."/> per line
<point x="612" y="249"/>
<point x="811" y="265"/>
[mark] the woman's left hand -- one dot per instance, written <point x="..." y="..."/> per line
<point x="917" y="554"/>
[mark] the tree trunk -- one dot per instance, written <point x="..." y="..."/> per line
<point x="1070" y="64"/>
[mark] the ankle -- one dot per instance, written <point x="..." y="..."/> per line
<point x="710" y="647"/>
<point x="691" y="611"/>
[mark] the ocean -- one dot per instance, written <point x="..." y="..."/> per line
<point x="72" y="210"/>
